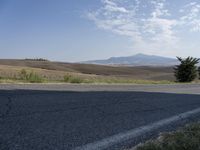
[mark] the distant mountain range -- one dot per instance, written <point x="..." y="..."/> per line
<point x="136" y="60"/>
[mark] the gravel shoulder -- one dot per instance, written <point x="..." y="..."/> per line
<point x="160" y="88"/>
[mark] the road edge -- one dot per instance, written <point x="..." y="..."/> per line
<point x="132" y="134"/>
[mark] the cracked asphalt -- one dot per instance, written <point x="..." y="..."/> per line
<point x="62" y="119"/>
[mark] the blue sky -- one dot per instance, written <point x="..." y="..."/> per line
<point x="72" y="30"/>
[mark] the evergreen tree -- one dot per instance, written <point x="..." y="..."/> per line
<point x="187" y="70"/>
<point x="199" y="72"/>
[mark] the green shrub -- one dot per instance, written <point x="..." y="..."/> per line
<point x="71" y="79"/>
<point x="187" y="70"/>
<point x="67" y="78"/>
<point x="76" y="80"/>
<point x="23" y="74"/>
<point x="30" y="77"/>
<point x="34" y="78"/>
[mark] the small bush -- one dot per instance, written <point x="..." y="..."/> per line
<point x="67" y="78"/>
<point x="34" y="78"/>
<point x="23" y="74"/>
<point x="71" y="79"/>
<point x="76" y="80"/>
<point x="30" y="77"/>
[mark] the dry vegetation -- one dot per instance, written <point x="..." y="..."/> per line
<point x="84" y="73"/>
<point x="187" y="138"/>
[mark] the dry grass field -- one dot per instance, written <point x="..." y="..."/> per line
<point x="55" y="71"/>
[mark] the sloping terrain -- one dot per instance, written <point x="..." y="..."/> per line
<point x="149" y="73"/>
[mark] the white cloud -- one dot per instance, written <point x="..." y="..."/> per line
<point x="115" y="18"/>
<point x="153" y="29"/>
<point x="159" y="9"/>
<point x="191" y="16"/>
<point x="113" y="7"/>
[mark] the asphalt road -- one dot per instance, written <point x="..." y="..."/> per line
<point x="38" y="117"/>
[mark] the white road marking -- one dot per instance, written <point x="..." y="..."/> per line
<point x="131" y="134"/>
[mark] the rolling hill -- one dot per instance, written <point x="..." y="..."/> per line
<point x="11" y="67"/>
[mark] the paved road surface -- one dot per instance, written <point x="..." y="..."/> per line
<point x="64" y="117"/>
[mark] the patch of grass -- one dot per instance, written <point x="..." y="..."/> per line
<point x="34" y="78"/>
<point x="23" y="74"/>
<point x="30" y="77"/>
<point x="71" y="79"/>
<point x="187" y="138"/>
<point x="109" y="80"/>
<point x="125" y="81"/>
<point x="9" y="81"/>
<point x="76" y="80"/>
<point x="67" y="78"/>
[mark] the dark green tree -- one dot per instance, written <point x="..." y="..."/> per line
<point x="199" y="72"/>
<point x="187" y="70"/>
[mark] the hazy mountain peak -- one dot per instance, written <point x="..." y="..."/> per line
<point x="140" y="54"/>
<point x="139" y="59"/>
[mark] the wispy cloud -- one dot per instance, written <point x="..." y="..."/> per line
<point x="148" y="23"/>
<point x="113" y="7"/>
<point x="115" y="18"/>
<point x="191" y="16"/>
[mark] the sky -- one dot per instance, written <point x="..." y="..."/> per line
<point x="79" y="30"/>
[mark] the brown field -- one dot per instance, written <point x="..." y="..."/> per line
<point x="57" y="70"/>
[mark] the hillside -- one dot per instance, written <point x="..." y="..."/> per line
<point x="147" y="73"/>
